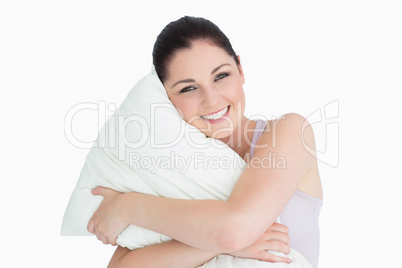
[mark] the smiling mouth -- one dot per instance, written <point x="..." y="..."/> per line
<point x="216" y="116"/>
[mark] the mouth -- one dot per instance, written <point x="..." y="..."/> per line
<point x="218" y="116"/>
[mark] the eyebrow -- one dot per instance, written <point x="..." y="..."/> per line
<point x="190" y="80"/>
<point x="217" y="68"/>
<point x="184" y="81"/>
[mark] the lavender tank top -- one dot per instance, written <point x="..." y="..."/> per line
<point x="300" y="215"/>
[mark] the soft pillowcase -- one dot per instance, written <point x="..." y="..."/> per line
<point x="147" y="147"/>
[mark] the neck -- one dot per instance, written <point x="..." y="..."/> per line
<point x="240" y="139"/>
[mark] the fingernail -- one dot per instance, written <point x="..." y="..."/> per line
<point x="289" y="261"/>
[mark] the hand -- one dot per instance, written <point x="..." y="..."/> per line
<point x="276" y="238"/>
<point x="108" y="221"/>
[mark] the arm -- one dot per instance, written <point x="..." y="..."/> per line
<point x="168" y="254"/>
<point x="177" y="254"/>
<point x="227" y="226"/>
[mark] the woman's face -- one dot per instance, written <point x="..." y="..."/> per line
<point x="206" y="86"/>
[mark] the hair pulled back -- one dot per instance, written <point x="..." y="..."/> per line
<point x="180" y="34"/>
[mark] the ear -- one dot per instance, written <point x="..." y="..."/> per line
<point x="241" y="70"/>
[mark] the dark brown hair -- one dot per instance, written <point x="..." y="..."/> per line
<point x="181" y="34"/>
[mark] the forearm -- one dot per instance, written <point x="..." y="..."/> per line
<point x="255" y="203"/>
<point x="205" y="229"/>
<point x="168" y="254"/>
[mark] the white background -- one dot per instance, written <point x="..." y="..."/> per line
<point x="298" y="56"/>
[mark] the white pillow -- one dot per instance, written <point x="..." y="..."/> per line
<point x="147" y="127"/>
<point x="147" y="147"/>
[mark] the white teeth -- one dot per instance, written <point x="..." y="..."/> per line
<point x="216" y="116"/>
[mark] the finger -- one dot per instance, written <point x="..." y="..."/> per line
<point x="101" y="237"/>
<point x="104" y="240"/>
<point x="112" y="240"/>
<point x="266" y="256"/>
<point x="278" y="236"/>
<point x="98" y="191"/>
<point x="98" y="235"/>
<point x="276" y="246"/>
<point x="279" y="228"/>
<point x="91" y="226"/>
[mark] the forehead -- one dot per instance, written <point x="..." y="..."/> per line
<point x="202" y="56"/>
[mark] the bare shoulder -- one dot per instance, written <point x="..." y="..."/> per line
<point x="289" y="130"/>
<point x="290" y="139"/>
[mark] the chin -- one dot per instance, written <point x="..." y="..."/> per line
<point x="218" y="131"/>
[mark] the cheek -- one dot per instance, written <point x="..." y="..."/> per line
<point x="241" y="102"/>
<point x="186" y="108"/>
<point x="178" y="104"/>
<point x="236" y="93"/>
<point x="237" y="97"/>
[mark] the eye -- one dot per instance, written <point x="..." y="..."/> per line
<point x="221" y="76"/>
<point x="187" y="89"/>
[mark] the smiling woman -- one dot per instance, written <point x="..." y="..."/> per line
<point x="201" y="90"/>
<point x="203" y="78"/>
<point x="214" y="91"/>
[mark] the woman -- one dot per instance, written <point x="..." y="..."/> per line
<point x="203" y="78"/>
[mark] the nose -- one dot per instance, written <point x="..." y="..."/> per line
<point x="210" y="96"/>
